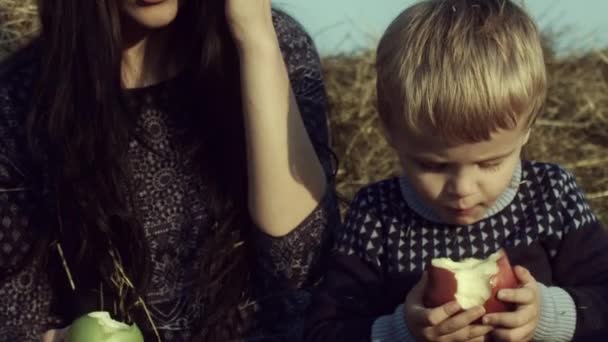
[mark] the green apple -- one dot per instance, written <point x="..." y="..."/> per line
<point x="100" y="327"/>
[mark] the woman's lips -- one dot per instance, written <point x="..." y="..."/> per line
<point x="149" y="2"/>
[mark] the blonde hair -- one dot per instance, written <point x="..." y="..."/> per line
<point x="461" y="69"/>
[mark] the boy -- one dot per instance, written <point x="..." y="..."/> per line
<point x="460" y="83"/>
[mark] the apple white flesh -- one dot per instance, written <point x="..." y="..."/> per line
<point x="471" y="282"/>
<point x="473" y="277"/>
<point x="100" y="327"/>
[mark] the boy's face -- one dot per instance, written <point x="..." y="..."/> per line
<point x="460" y="182"/>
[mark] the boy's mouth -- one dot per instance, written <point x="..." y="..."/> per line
<point x="462" y="212"/>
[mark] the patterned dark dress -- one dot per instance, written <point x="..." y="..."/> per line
<point x="170" y="203"/>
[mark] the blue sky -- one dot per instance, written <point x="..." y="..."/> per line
<point x="344" y="25"/>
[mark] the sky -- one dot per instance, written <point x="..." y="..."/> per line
<point x="343" y="26"/>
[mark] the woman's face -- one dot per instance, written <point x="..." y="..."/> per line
<point x="151" y="14"/>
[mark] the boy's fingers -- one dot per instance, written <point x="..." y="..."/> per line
<point x="511" y="320"/>
<point x="437" y="315"/>
<point x="523" y="275"/>
<point x="459" y="321"/>
<point x="417" y="292"/>
<point x="416" y="316"/>
<point x="483" y="338"/>
<point x="513" y="335"/>
<point x="523" y="295"/>
<point x="421" y="285"/>
<point x="477" y="331"/>
<point x="468" y="333"/>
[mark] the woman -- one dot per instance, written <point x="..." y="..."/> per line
<point x="155" y="163"/>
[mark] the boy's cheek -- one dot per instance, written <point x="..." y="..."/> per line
<point x="427" y="186"/>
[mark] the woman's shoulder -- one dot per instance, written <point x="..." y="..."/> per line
<point x="20" y="64"/>
<point x="17" y="77"/>
<point x="289" y="28"/>
<point x="297" y="45"/>
<point x="17" y="74"/>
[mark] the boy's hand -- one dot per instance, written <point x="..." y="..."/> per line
<point x="250" y="22"/>
<point x="520" y="324"/>
<point x="445" y="323"/>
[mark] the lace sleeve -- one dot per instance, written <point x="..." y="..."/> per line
<point x="25" y="302"/>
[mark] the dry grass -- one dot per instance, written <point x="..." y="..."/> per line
<point x="573" y="129"/>
<point x="17" y="24"/>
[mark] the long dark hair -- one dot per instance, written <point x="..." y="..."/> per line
<point x="79" y="130"/>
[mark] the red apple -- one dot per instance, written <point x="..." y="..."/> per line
<point x="471" y="282"/>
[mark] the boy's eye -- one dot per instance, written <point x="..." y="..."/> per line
<point x="490" y="166"/>
<point x="430" y="166"/>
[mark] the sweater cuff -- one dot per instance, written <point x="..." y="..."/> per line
<point x="557" y="315"/>
<point x="392" y="328"/>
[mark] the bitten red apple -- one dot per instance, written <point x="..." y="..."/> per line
<point x="471" y="282"/>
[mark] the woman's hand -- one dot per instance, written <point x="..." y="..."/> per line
<point x="250" y="22"/>
<point x="55" y="335"/>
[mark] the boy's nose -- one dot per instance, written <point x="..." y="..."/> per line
<point x="460" y="186"/>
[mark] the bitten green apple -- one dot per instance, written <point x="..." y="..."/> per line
<point x="100" y="327"/>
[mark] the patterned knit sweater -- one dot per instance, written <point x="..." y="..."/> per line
<point x="169" y="202"/>
<point x="388" y="239"/>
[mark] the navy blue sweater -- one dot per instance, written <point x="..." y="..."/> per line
<point x="385" y="245"/>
